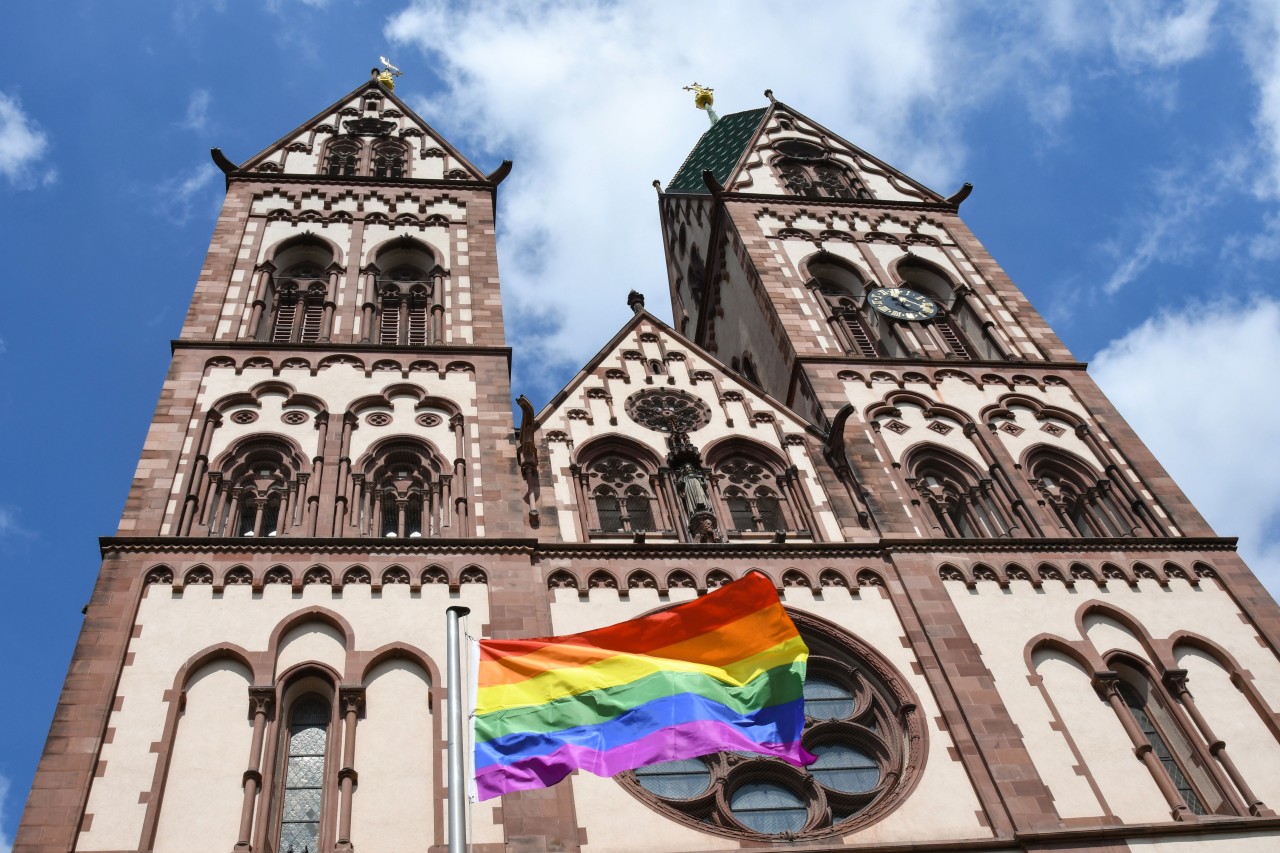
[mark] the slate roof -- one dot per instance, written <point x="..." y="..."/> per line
<point x="718" y="150"/>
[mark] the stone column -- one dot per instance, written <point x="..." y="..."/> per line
<point x="1176" y="681"/>
<point x="261" y="702"/>
<point x="1108" y="686"/>
<point x="352" y="701"/>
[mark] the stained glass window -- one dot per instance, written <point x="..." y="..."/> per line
<point x="304" y="776"/>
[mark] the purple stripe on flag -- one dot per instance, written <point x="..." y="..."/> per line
<point x="683" y="740"/>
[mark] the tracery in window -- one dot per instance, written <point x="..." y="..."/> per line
<point x="755" y="491"/>
<point x="389" y="160"/>
<point x="964" y="504"/>
<point x="1084" y="503"/>
<point x="861" y="723"/>
<point x="404" y="492"/>
<point x="621" y="494"/>
<point x="810" y="170"/>
<point x="257" y="492"/>
<point x="343" y="157"/>
<point x="302" y="791"/>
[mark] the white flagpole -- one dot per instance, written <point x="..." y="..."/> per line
<point x="457" y="743"/>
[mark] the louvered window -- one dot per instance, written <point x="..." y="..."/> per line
<point x="286" y="317"/>
<point x="312" y="317"/>
<point x="953" y="339"/>
<point x="858" y="334"/>
<point x="417" y="324"/>
<point x="389" y="329"/>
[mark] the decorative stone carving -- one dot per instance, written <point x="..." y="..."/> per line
<point x="278" y="575"/>
<point x="395" y="575"/>
<point x="561" y="580"/>
<point x="668" y="410"/>
<point x="317" y="576"/>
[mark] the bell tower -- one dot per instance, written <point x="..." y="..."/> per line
<point x="335" y="424"/>
<point x="825" y="276"/>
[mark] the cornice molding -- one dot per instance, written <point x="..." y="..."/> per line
<point x="363" y="548"/>
<point x="730" y="196"/>
<point x="1019" y="366"/>
<point x="360" y="181"/>
<point x="353" y="348"/>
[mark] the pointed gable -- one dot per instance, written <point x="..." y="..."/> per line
<point x="779" y="151"/>
<point x="361" y="135"/>
<point x="605" y="405"/>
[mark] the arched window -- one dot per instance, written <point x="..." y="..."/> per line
<point x="755" y="493"/>
<point x="1155" y="718"/>
<point x="299" y="290"/>
<point x="257" y="493"/>
<point x="809" y="170"/>
<point x="964" y="504"/>
<point x="343" y="157"/>
<point x="388" y="161"/>
<point x="864" y="333"/>
<point x="405" y="493"/>
<point x="405" y="291"/>
<point x="1084" y="503"/>
<point x="958" y="330"/>
<point x="302" y="789"/>
<point x="621" y="494"/>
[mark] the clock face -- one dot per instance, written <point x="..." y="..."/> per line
<point x="901" y="303"/>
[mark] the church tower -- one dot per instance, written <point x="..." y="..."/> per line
<point x="1022" y="636"/>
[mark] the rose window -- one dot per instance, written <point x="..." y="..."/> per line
<point x="861" y="722"/>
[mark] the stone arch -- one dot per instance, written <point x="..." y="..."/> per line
<point x="310" y="614"/>
<point x="563" y="579"/>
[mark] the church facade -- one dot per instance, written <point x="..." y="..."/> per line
<point x="1023" y="636"/>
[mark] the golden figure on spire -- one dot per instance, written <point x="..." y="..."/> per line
<point x="386" y="76"/>
<point x="703" y="98"/>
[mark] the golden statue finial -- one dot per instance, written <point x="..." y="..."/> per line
<point x="386" y="76"/>
<point x="703" y="98"/>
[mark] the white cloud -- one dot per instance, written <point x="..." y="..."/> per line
<point x="1162" y="229"/>
<point x="176" y="197"/>
<point x="1148" y="33"/>
<point x="1265" y="245"/>
<point x="197" y="117"/>
<point x="1135" y="32"/>
<point x="1221" y="459"/>
<point x="586" y="99"/>
<point x="9" y="525"/>
<point x="22" y="146"/>
<point x="1261" y="37"/>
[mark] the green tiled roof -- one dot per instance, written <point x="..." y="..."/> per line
<point x="717" y="150"/>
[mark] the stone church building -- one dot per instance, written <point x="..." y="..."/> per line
<point x="1023" y="636"/>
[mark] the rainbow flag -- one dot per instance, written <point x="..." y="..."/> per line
<point x="722" y="672"/>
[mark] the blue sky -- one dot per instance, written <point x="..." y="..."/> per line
<point x="1126" y="158"/>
